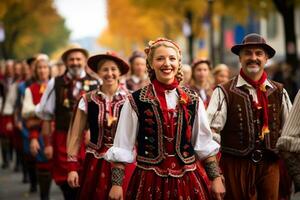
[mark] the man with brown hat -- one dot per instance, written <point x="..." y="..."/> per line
<point x="57" y="104"/>
<point x="246" y="115"/>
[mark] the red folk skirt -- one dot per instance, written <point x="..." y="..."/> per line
<point x="95" y="180"/>
<point x="146" y="184"/>
<point x="4" y="121"/>
<point x="60" y="163"/>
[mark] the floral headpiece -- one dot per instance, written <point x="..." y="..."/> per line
<point x="158" y="40"/>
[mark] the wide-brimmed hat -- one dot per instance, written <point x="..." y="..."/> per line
<point x="67" y="53"/>
<point x="94" y="60"/>
<point x="253" y="39"/>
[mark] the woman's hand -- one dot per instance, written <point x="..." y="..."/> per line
<point x="48" y="151"/>
<point x="217" y="188"/>
<point x="73" y="179"/>
<point x="116" y="193"/>
<point x="34" y="146"/>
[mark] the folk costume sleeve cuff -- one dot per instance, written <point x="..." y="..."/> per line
<point x="73" y="166"/>
<point x="33" y="134"/>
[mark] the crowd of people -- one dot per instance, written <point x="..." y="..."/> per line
<point x="150" y="128"/>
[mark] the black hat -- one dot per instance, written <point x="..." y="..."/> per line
<point x="253" y="39"/>
<point x="94" y="60"/>
<point x="67" y="52"/>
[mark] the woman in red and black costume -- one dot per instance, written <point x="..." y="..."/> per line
<point x="100" y="109"/>
<point x="169" y="125"/>
<point x="33" y="95"/>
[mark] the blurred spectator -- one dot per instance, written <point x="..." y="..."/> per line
<point x="221" y="74"/>
<point x="138" y="77"/>
<point x="285" y="75"/>
<point x="187" y="74"/>
<point x="202" y="81"/>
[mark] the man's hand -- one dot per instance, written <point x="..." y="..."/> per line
<point x="116" y="193"/>
<point x="218" y="189"/>
<point x="48" y="152"/>
<point x="34" y="146"/>
<point x="73" y="179"/>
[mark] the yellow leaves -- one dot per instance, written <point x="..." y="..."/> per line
<point x="3" y="10"/>
<point x="29" y="26"/>
<point x="133" y="22"/>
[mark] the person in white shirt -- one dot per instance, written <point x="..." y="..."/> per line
<point x="246" y="115"/>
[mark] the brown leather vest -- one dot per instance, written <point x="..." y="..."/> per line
<point x="241" y="129"/>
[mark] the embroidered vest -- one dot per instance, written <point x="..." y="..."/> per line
<point x="151" y="148"/>
<point x="243" y="123"/>
<point x="101" y="133"/>
<point x="65" y="102"/>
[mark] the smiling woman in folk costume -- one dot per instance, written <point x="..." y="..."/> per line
<point x="168" y="122"/>
<point x="32" y="97"/>
<point x="100" y="109"/>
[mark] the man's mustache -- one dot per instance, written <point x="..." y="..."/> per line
<point x="253" y="62"/>
<point x="75" y="66"/>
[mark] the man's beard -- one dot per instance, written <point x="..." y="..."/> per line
<point x="75" y="70"/>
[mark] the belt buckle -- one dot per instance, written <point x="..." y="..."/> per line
<point x="257" y="156"/>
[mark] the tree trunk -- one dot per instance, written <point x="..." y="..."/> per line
<point x="287" y="11"/>
<point x="190" y="37"/>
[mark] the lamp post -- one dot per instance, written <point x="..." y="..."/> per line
<point x="211" y="32"/>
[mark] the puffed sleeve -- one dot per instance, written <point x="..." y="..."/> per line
<point x="217" y="113"/>
<point x="202" y="140"/>
<point x="124" y="141"/>
<point x="45" y="109"/>
<point x="28" y="105"/>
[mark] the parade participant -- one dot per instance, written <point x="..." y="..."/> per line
<point x="32" y="97"/>
<point x="247" y="114"/>
<point x="6" y="113"/>
<point x="289" y="143"/>
<point x="100" y="109"/>
<point x="187" y="75"/>
<point x="202" y="82"/>
<point x="220" y="74"/>
<point x="169" y="125"/>
<point x="58" y="103"/>
<point x="28" y="161"/>
<point x="138" y="77"/>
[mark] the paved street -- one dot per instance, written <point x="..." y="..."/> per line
<point x="12" y="188"/>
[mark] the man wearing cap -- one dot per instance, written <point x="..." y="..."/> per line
<point x="57" y="104"/>
<point x="246" y="115"/>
